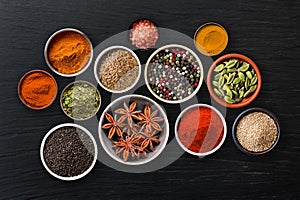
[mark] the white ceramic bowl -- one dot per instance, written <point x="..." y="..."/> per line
<point x="73" y="177"/>
<point x="80" y="81"/>
<point x="209" y="152"/>
<point x="47" y="46"/>
<point x="107" y="143"/>
<point x="200" y="80"/>
<point x="96" y="66"/>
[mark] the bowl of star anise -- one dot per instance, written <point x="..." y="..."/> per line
<point x="133" y="129"/>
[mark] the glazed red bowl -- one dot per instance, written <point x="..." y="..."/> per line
<point x="246" y="100"/>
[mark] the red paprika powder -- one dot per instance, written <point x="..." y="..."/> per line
<point x="200" y="129"/>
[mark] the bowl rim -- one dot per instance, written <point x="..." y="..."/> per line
<point x="80" y="81"/>
<point x="99" y="57"/>
<point x="202" y="51"/>
<point x="249" y="99"/>
<point x="50" y="40"/>
<point x="246" y="112"/>
<point x="73" y="177"/>
<point x="200" y="80"/>
<point x="20" y="86"/>
<point x="141" y="161"/>
<point x="224" y="126"/>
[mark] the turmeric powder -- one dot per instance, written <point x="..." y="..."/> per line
<point x="211" y="39"/>
<point x="69" y="52"/>
<point x="37" y="89"/>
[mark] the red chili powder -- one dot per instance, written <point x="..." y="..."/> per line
<point x="200" y="129"/>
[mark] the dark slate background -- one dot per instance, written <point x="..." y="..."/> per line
<point x="267" y="31"/>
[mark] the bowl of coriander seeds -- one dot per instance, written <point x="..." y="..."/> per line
<point x="256" y="131"/>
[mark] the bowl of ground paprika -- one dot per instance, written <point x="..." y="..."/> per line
<point x="37" y="89"/>
<point x="68" y="52"/>
<point x="200" y="129"/>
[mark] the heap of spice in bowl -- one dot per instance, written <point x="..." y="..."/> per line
<point x="234" y="80"/>
<point x="211" y="39"/>
<point x="68" y="152"/>
<point x="37" y="89"/>
<point x="80" y="100"/>
<point x="117" y="69"/>
<point x="68" y="52"/>
<point x="143" y="34"/>
<point x="173" y="73"/>
<point x="256" y="131"/>
<point x="200" y="129"/>
<point x="133" y="129"/>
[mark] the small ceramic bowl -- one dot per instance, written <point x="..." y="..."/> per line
<point x="73" y="177"/>
<point x="141" y="102"/>
<point x="76" y="82"/>
<point x="20" y="88"/>
<point x="186" y="110"/>
<point x="103" y="53"/>
<point x="215" y="51"/>
<point x="246" y="100"/>
<point x="236" y="122"/>
<point x="52" y="37"/>
<point x="194" y="92"/>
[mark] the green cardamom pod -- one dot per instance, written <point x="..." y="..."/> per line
<point x="229" y="93"/>
<point x="235" y="93"/>
<point x="241" y="76"/>
<point x="254" y="80"/>
<point x="241" y="93"/>
<point x="231" y="63"/>
<point x="236" y="81"/>
<point x="253" y="88"/>
<point x="247" y="83"/>
<point x="233" y="69"/>
<point x="238" y="100"/>
<point x="225" y="87"/>
<point x="230" y="78"/>
<point x="221" y="81"/>
<point x="217" y="92"/>
<point x="249" y="75"/>
<point x="229" y="100"/>
<point x="217" y="76"/>
<point x="244" y="67"/>
<point x="215" y="83"/>
<point x="223" y="72"/>
<point x="219" y="68"/>
<point x="247" y="93"/>
<point x="226" y="76"/>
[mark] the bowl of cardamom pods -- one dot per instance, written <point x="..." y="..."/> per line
<point x="234" y="80"/>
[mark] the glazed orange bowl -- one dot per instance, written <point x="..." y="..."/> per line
<point x="234" y="80"/>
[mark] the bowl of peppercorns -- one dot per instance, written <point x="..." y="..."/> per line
<point x="173" y="73"/>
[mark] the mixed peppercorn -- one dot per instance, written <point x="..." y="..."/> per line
<point x="173" y="74"/>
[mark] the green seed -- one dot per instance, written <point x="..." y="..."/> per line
<point x="230" y="78"/>
<point x="241" y="76"/>
<point x="229" y="93"/>
<point x="225" y="87"/>
<point x="247" y="83"/>
<point x="236" y="81"/>
<point x="219" y="68"/>
<point x="231" y="63"/>
<point x="217" y="76"/>
<point x="223" y="72"/>
<point x="217" y="92"/>
<point x="235" y="93"/>
<point x="216" y="83"/>
<point x="226" y="76"/>
<point x="244" y="67"/>
<point x="229" y="100"/>
<point x="249" y="75"/>
<point x="241" y="93"/>
<point x="231" y="70"/>
<point x="247" y="93"/>
<point x="254" y="80"/>
<point x="221" y="81"/>
<point x="238" y="99"/>
<point x="253" y="88"/>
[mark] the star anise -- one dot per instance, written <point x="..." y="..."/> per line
<point x="149" y="120"/>
<point x="127" y="146"/>
<point x="130" y="130"/>
<point x="150" y="139"/>
<point x="128" y="113"/>
<point x="114" y="126"/>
